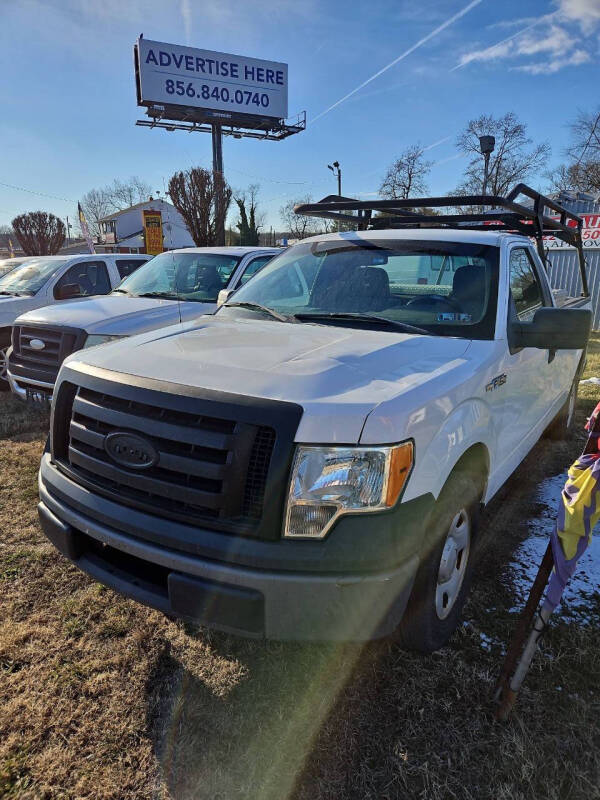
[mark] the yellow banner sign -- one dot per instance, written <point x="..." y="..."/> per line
<point x="153" y="232"/>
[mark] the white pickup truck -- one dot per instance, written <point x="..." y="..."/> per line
<point x="309" y="462"/>
<point x="44" y="280"/>
<point x="176" y="286"/>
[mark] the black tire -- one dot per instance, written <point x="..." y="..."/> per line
<point x="562" y="425"/>
<point x="4" y="384"/>
<point x="423" y="627"/>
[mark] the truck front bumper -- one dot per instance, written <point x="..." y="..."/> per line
<point x="278" y="604"/>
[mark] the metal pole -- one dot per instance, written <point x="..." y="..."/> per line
<point x="217" y="145"/>
<point x="339" y="177"/>
<point x="486" y="160"/>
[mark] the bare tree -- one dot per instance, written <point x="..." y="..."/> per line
<point x="298" y="225"/>
<point x="39" y="233"/>
<point x="99" y="203"/>
<point x="250" y="221"/>
<point x="122" y="194"/>
<point x="407" y="175"/>
<point x="582" y="173"/>
<point x="202" y="198"/>
<point x="96" y="205"/>
<point x="581" y="177"/>
<point x="515" y="157"/>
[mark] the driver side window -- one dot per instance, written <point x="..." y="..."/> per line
<point x="90" y="276"/>
<point x="525" y="288"/>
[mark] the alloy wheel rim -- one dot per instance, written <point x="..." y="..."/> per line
<point x="3" y="364"/>
<point x="453" y="563"/>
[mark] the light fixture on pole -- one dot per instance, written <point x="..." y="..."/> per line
<point x="337" y="171"/>
<point x="486" y="145"/>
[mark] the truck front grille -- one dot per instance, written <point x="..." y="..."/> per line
<point x="210" y="469"/>
<point x="42" y="364"/>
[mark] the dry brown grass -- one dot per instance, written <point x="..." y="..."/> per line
<point x="102" y="698"/>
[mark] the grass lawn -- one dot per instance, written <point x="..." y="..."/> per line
<point x="102" y="698"/>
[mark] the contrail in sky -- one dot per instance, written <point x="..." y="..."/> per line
<point x="467" y="59"/>
<point x="406" y="53"/>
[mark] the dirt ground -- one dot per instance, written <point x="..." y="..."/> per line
<point x="102" y="698"/>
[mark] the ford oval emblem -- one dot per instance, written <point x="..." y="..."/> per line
<point x="130" y="450"/>
<point x="36" y="344"/>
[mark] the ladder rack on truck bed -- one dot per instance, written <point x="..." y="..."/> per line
<point x="503" y="212"/>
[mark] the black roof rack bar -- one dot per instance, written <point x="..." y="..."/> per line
<point x="504" y="213"/>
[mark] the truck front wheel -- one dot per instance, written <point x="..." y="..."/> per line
<point x="4" y="346"/>
<point x="444" y="577"/>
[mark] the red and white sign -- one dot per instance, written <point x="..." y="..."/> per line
<point x="590" y="234"/>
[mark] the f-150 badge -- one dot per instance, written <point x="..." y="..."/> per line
<point x="496" y="382"/>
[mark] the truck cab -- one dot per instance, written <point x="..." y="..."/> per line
<point x="172" y="288"/>
<point x="310" y="461"/>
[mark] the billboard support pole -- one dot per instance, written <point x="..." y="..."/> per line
<point x="217" y="146"/>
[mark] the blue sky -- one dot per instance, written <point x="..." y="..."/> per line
<point x="68" y="100"/>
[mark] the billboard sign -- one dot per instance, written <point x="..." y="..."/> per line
<point x="174" y="75"/>
<point x="153" y="234"/>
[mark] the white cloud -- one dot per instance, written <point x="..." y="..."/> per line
<point x="576" y="58"/>
<point x="562" y="37"/>
<point x="582" y="11"/>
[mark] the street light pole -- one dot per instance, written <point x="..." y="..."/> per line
<point x="337" y="171"/>
<point x="486" y="145"/>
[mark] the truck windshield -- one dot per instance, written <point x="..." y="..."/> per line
<point x="446" y="288"/>
<point x="187" y="276"/>
<point x="29" y="277"/>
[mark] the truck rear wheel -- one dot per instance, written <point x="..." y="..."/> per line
<point x="444" y="577"/>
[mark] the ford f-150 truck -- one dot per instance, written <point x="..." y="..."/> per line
<point x="310" y="461"/>
<point x="176" y="286"/>
<point x="43" y="280"/>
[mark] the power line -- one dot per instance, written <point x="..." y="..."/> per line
<point x="33" y="191"/>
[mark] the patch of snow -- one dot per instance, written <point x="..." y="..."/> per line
<point x="595" y="381"/>
<point x="583" y="590"/>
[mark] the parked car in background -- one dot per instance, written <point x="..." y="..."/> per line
<point x="44" y="280"/>
<point x="176" y="286"/>
<point x="6" y="264"/>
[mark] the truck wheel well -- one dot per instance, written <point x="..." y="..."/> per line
<point x="475" y="461"/>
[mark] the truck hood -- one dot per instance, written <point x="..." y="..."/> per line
<point x="11" y="307"/>
<point x="116" y="315"/>
<point x="337" y="374"/>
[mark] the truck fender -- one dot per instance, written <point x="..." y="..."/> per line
<point x="470" y="427"/>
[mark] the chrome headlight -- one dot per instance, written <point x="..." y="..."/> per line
<point x="96" y="338"/>
<point x="329" y="481"/>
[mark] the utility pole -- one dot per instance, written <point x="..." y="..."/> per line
<point x="68" y="231"/>
<point x="219" y="179"/>
<point x="337" y="171"/>
<point x="486" y="145"/>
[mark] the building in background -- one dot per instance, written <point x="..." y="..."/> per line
<point x="563" y="263"/>
<point x="123" y="231"/>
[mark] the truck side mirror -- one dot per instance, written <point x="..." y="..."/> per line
<point x="67" y="291"/>
<point x="553" y="329"/>
<point x="224" y="296"/>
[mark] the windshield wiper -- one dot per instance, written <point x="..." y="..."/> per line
<point x="264" y="309"/>
<point x="166" y="295"/>
<point x="121" y="291"/>
<point x="18" y="294"/>
<point x="370" y="318"/>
